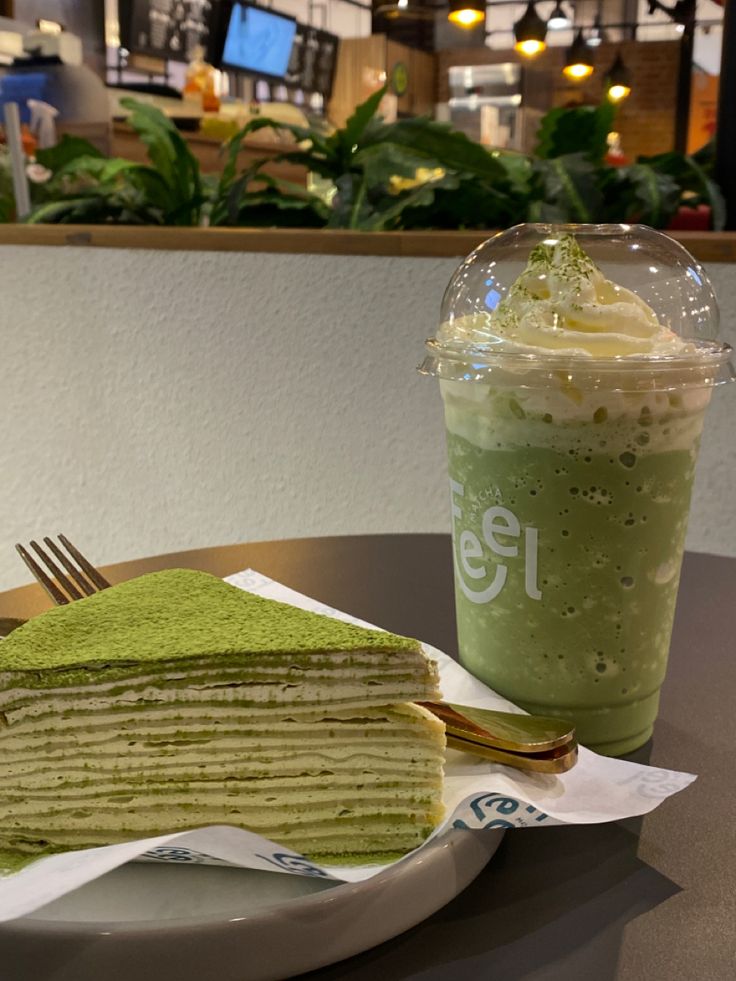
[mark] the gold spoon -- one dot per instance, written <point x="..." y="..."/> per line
<point x="527" y="742"/>
<point x="504" y="730"/>
<point x="558" y="760"/>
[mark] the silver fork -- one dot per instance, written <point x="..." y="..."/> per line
<point x="80" y="580"/>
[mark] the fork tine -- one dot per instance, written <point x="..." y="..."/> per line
<point x="63" y="581"/>
<point x="97" y="578"/>
<point x="87" y="587"/>
<point x="40" y="576"/>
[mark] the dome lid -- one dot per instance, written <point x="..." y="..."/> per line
<point x="620" y="306"/>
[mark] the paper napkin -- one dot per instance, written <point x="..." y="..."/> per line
<point x="478" y="794"/>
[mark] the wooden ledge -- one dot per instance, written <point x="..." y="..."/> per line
<point x="705" y="246"/>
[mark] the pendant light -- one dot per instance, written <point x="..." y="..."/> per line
<point x="530" y="32"/>
<point x="579" y="62"/>
<point x="618" y="80"/>
<point x="595" y="38"/>
<point x="467" y="13"/>
<point x="558" y="19"/>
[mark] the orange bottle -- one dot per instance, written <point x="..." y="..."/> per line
<point x="200" y="82"/>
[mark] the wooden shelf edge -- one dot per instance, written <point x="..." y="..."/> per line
<point x="705" y="246"/>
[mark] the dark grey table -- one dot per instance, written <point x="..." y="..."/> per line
<point x="651" y="899"/>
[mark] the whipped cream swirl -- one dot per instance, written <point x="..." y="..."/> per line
<point x="563" y="304"/>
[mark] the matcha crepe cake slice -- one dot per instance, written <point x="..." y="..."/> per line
<point x="175" y="700"/>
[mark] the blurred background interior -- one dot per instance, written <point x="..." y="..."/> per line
<point x="166" y="396"/>
<point x="492" y="69"/>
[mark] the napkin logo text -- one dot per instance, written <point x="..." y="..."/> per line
<point x="468" y="549"/>
<point x="290" y="862"/>
<point x="483" y="812"/>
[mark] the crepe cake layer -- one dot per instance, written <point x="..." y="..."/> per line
<point x="175" y="700"/>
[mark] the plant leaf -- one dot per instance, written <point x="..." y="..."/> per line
<point x="103" y="169"/>
<point x="7" y="196"/>
<point x="519" y="172"/>
<point x="713" y="196"/>
<point x="159" y="135"/>
<point x="364" y="113"/>
<point x="263" y="210"/>
<point x="582" y="129"/>
<point x="439" y="143"/>
<point x="91" y="209"/>
<point x="382" y="161"/>
<point x="350" y="206"/>
<point x="466" y="201"/>
<point x="655" y="196"/>
<point x="311" y="162"/>
<point x="170" y="155"/>
<point x="691" y="175"/>
<point x="83" y="176"/>
<point x="387" y="215"/>
<point x="705" y="157"/>
<point x="570" y="186"/>
<point x="343" y="143"/>
<point x="68" y="149"/>
<point x="300" y="134"/>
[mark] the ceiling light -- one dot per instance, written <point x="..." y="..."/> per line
<point x="595" y="38"/>
<point x="558" y="19"/>
<point x="467" y="13"/>
<point x="49" y="26"/>
<point x="530" y="32"/>
<point x="404" y="10"/>
<point x="618" y="80"/>
<point x="578" y="63"/>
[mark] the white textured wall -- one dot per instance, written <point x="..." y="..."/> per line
<point x="155" y="401"/>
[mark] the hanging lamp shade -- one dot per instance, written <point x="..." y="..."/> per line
<point x="467" y="13"/>
<point x="558" y="20"/>
<point x="618" y="80"/>
<point x="595" y="38"/>
<point x="579" y="61"/>
<point x="530" y="32"/>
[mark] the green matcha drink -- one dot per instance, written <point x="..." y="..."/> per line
<point x="585" y="523"/>
<point x="571" y="462"/>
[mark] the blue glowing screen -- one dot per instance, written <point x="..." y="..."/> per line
<point x="258" y="41"/>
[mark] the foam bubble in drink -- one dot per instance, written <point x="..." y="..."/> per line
<point x="574" y="406"/>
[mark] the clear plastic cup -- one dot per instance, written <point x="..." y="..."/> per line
<point x="571" y="464"/>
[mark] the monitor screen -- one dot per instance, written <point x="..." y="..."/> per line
<point x="258" y="41"/>
<point x="164" y="28"/>
<point x="313" y="60"/>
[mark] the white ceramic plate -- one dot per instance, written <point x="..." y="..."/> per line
<point x="203" y="923"/>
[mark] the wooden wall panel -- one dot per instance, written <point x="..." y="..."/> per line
<point x="360" y="62"/>
<point x="423" y="87"/>
<point x="360" y="70"/>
